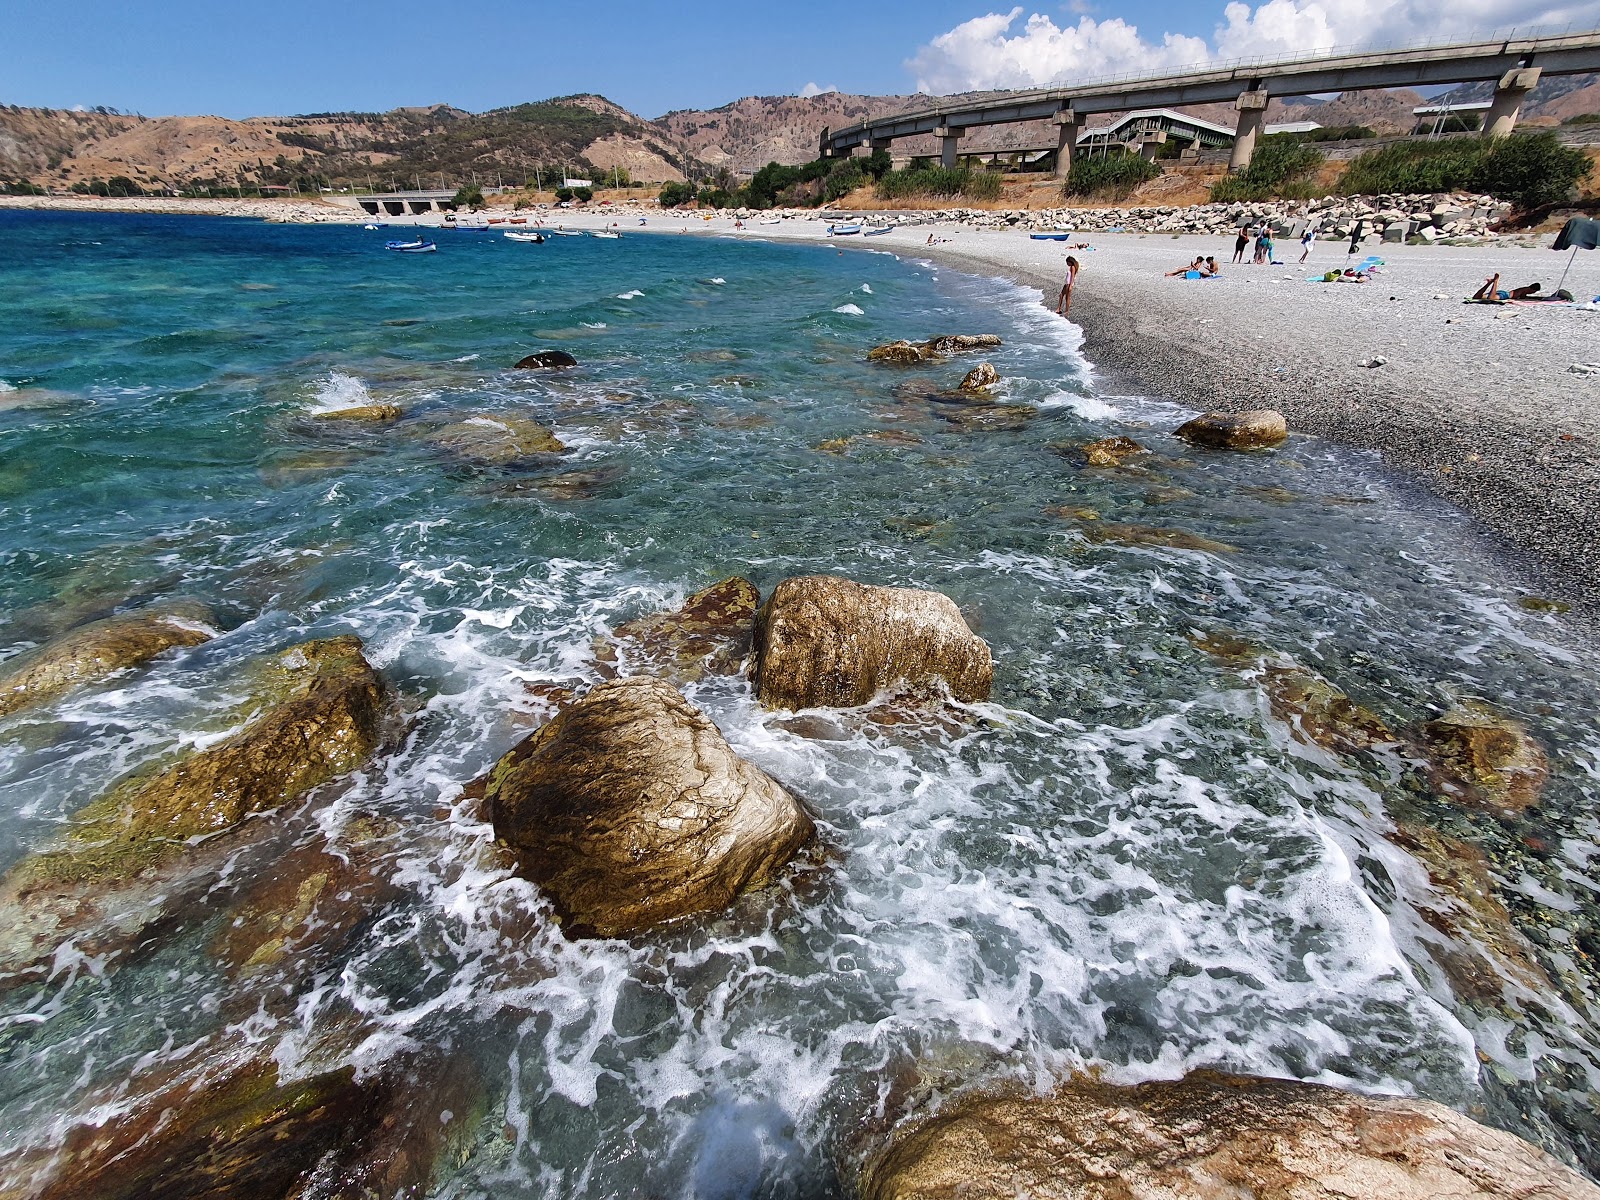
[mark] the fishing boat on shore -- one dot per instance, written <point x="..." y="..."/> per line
<point x="520" y="236"/>
<point x="877" y="231"/>
<point x="843" y="230"/>
<point x="1050" y="237"/>
<point x="420" y="246"/>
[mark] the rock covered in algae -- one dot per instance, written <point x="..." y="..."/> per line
<point x="323" y="717"/>
<point x="709" y="635"/>
<point x="905" y="353"/>
<point x="1485" y="759"/>
<point x="1110" y="452"/>
<point x="497" y="440"/>
<point x="1236" y="430"/>
<point x="1319" y="713"/>
<point x="630" y="809"/>
<point x="1212" y="1137"/>
<point x="93" y="652"/>
<point x="374" y="414"/>
<point x="823" y="641"/>
<point x="980" y="378"/>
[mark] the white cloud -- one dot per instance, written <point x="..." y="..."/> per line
<point x="985" y="53"/>
<point x="812" y="89"/>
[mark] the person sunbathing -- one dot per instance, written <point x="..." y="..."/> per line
<point x="1209" y="269"/>
<point x="1490" y="289"/>
<point x="1199" y="261"/>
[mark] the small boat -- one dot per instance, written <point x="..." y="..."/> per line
<point x="770" y="221"/>
<point x="605" y="233"/>
<point x="878" y="231"/>
<point x="471" y="228"/>
<point x="1049" y="237"/>
<point x="519" y="236"/>
<point x="519" y="220"/>
<point x="497" y="220"/>
<point x="566" y="232"/>
<point x="843" y="230"/>
<point x="420" y="246"/>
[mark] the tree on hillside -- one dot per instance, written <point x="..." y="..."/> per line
<point x="469" y="196"/>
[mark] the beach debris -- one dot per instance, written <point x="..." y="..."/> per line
<point x="1484" y="759"/>
<point x="905" y="353"/>
<point x="546" y="360"/>
<point x="1377" y="360"/>
<point x="824" y="641"/>
<point x="1236" y="430"/>
<point x="498" y="439"/>
<point x="1208" y="1135"/>
<point x="710" y="634"/>
<point x="980" y="378"/>
<point x="96" y="651"/>
<point x="629" y="809"/>
<point x="377" y="414"/>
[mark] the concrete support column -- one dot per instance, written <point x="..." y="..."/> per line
<point x="1068" y="125"/>
<point x="949" y="145"/>
<point x="1150" y="144"/>
<point x="1252" y="109"/>
<point x="1509" y="93"/>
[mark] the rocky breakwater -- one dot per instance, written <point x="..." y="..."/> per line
<point x="1210" y="1137"/>
<point x="1433" y="217"/>
<point x="630" y="809"/>
<point x="135" y="852"/>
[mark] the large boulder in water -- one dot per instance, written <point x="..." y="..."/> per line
<point x="1237" y="430"/>
<point x="1212" y="1137"/>
<point x="981" y="378"/>
<point x="630" y="809"/>
<point x="709" y="635"/>
<point x="823" y="641"/>
<point x="497" y="440"/>
<point x="546" y="360"/>
<point x="322" y="714"/>
<point x="904" y="353"/>
<point x="93" y="652"/>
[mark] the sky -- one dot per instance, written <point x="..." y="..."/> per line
<point x="294" y="56"/>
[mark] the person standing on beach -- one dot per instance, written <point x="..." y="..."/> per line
<point x="1261" y="243"/>
<point x="1064" y="301"/>
<point x="1355" y="238"/>
<point x="1240" y="242"/>
<point x="1306" y="238"/>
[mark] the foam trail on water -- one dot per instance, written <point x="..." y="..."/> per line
<point x="337" y="390"/>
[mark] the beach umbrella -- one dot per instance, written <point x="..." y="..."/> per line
<point x="1580" y="233"/>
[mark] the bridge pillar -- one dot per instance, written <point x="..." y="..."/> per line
<point x="1509" y="93"/>
<point x="1252" y="108"/>
<point x="1068" y="125"/>
<point x="949" y="144"/>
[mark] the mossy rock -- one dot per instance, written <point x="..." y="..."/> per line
<point x="496" y="440"/>
<point x="710" y="634"/>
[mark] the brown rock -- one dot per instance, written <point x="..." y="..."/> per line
<point x="1319" y="713"/>
<point x="497" y="440"/>
<point x="327" y="708"/>
<point x="901" y="353"/>
<point x="630" y="809"/>
<point x="991" y="418"/>
<point x="1212" y="1137"/>
<point x="838" y="445"/>
<point x="377" y="414"/>
<point x="980" y="378"/>
<point x="904" y="353"/>
<point x="93" y="652"/>
<point x="1484" y="759"/>
<point x="1236" y="431"/>
<point x="546" y="360"/>
<point x="822" y="641"/>
<point x="1109" y="452"/>
<point x="710" y="634"/>
<point x="1150" y="535"/>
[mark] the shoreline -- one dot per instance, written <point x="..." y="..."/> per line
<point x="1477" y="405"/>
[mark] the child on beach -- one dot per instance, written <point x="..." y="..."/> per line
<point x="1064" y="301"/>
<point x="1306" y="238"/>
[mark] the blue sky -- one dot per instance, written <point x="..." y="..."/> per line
<point x="285" y="56"/>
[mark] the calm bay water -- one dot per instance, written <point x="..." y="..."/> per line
<point x="1129" y="866"/>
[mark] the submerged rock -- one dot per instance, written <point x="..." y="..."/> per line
<point x="1212" y="1137"/>
<point x="630" y="809"/>
<point x="93" y="652"/>
<point x="709" y="635"/>
<point x="546" y="360"/>
<point x="1109" y="452"/>
<point x="327" y="708"/>
<point x="1150" y="535"/>
<point x="980" y="378"/>
<point x="991" y="418"/>
<point x="1236" y="431"/>
<point x="1319" y="713"/>
<point x="498" y="440"/>
<point x="376" y="414"/>
<point x="823" y="641"/>
<point x="905" y="353"/>
<point x="1484" y="759"/>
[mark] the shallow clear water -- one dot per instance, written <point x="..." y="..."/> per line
<point x="1128" y="864"/>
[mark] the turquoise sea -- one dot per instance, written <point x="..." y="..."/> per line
<point x="1131" y="865"/>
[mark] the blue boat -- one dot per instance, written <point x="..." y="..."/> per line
<point x="1049" y="237"/>
<point x="420" y="246"/>
<point x="878" y="232"/>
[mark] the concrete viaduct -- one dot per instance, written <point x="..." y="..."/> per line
<point x="1515" y="65"/>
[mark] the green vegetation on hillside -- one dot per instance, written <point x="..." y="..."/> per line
<point x="1280" y="169"/>
<point x="1112" y="177"/>
<point x="1528" y="169"/>
<point x="939" y="183"/>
